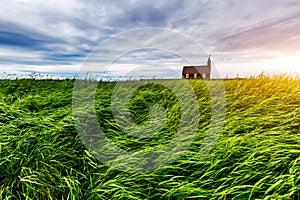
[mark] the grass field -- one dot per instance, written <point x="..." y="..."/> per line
<point x="256" y="157"/>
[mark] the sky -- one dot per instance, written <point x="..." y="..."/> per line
<point x="57" y="37"/>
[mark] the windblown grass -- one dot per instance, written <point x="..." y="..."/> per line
<point x="256" y="157"/>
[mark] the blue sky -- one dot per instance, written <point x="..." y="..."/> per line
<point x="245" y="37"/>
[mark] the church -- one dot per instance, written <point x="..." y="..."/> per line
<point x="197" y="72"/>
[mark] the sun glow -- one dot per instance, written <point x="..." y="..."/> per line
<point x="284" y="64"/>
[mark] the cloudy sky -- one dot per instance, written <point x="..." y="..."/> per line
<point x="244" y="37"/>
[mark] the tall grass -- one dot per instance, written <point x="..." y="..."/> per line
<point x="256" y="157"/>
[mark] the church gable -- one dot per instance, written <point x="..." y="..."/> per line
<point x="197" y="72"/>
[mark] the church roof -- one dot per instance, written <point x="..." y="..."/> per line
<point x="196" y="69"/>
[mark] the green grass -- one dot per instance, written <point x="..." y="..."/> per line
<point x="256" y="157"/>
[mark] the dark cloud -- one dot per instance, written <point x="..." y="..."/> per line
<point x="65" y="58"/>
<point x="21" y="37"/>
<point x="139" y="15"/>
<point x="22" y="41"/>
<point x="51" y="50"/>
<point x="270" y="35"/>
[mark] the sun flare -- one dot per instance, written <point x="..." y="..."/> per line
<point x="283" y="64"/>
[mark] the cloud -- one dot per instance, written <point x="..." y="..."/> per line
<point x="62" y="33"/>
<point x="139" y="15"/>
<point x="276" y="35"/>
<point x="20" y="37"/>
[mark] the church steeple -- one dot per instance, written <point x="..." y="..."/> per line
<point x="209" y="66"/>
<point x="209" y="61"/>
